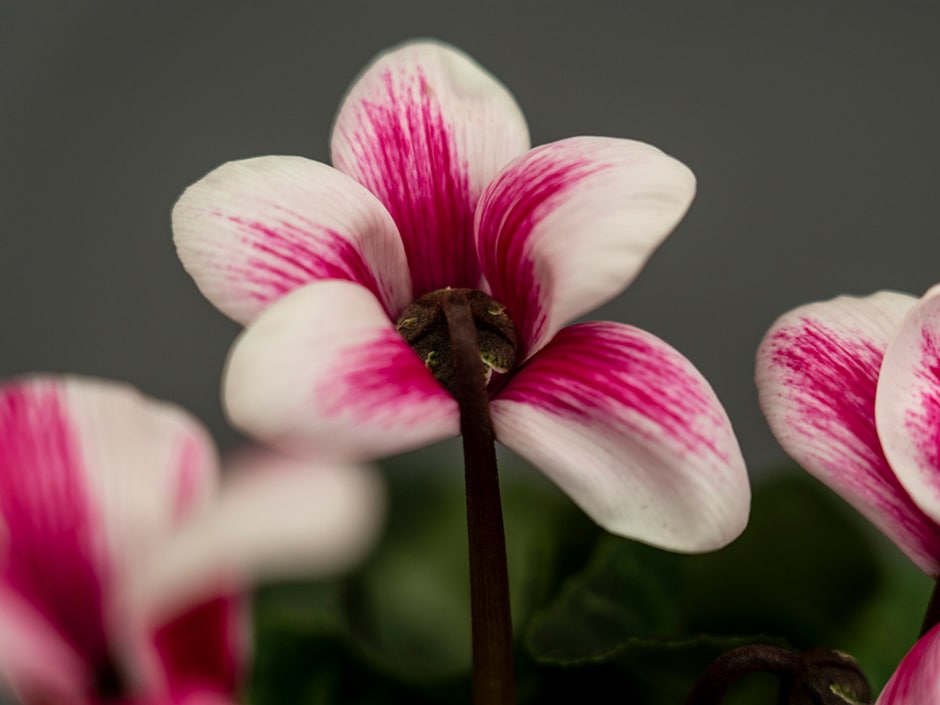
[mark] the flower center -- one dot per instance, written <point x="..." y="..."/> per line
<point x="424" y="327"/>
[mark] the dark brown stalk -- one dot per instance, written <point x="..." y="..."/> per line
<point x="493" y="676"/>
<point x="732" y="665"/>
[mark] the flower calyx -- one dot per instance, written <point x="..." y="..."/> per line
<point x="424" y="327"/>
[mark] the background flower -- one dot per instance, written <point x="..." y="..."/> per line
<point x="851" y="390"/>
<point x="847" y="388"/>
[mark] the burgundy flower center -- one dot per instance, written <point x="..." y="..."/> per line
<point x="424" y="327"/>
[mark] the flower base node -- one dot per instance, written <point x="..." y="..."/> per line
<point x="424" y="327"/>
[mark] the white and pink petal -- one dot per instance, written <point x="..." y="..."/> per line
<point x="277" y="517"/>
<point x="817" y="375"/>
<point x="633" y="433"/>
<point x="323" y="372"/>
<point x="916" y="681"/>
<point x="252" y="230"/>
<point x="568" y="225"/>
<point x="425" y="128"/>
<point x="907" y="406"/>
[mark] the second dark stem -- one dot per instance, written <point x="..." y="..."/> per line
<point x="932" y="615"/>
<point x="493" y="671"/>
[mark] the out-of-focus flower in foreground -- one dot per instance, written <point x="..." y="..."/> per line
<point x="850" y="388"/>
<point x="120" y="570"/>
<point x="338" y="273"/>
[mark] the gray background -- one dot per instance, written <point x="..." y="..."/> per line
<point x="812" y="128"/>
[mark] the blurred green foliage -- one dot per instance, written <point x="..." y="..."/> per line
<point x="597" y="618"/>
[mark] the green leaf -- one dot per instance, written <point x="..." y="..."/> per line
<point x="627" y="591"/>
<point x="803" y="568"/>
<point x="800" y="572"/>
<point x="885" y="630"/>
<point x="415" y="593"/>
<point x="597" y="613"/>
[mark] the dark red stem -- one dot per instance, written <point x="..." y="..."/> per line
<point x="493" y="675"/>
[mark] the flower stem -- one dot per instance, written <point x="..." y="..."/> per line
<point x="732" y="665"/>
<point x="932" y="615"/>
<point x="814" y="677"/>
<point x="493" y="678"/>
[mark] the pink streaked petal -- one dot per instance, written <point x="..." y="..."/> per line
<point x="425" y="128"/>
<point x="276" y="517"/>
<point x="35" y="660"/>
<point x="817" y="375"/>
<point x="92" y="475"/>
<point x="203" y="651"/>
<point x="253" y="230"/>
<point x="907" y="406"/>
<point x="917" y="678"/>
<point x="570" y="224"/>
<point x="633" y="433"/>
<point x="149" y="464"/>
<point x="323" y="372"/>
<point x="53" y="552"/>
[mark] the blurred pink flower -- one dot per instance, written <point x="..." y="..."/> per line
<point x="120" y="570"/>
<point x="435" y="187"/>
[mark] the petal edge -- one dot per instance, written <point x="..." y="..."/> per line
<point x="633" y="433"/>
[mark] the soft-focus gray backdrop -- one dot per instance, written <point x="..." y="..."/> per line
<point x="812" y="127"/>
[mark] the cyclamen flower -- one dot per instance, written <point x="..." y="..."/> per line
<point x="119" y="573"/>
<point x="850" y="390"/>
<point x="434" y="187"/>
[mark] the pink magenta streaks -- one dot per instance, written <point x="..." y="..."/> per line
<point x="512" y="208"/>
<point x="831" y="382"/>
<point x="52" y="556"/>
<point x="406" y="154"/>
<point x="925" y="424"/>
<point x="614" y="374"/>
<point x="291" y="255"/>
<point x="381" y="380"/>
